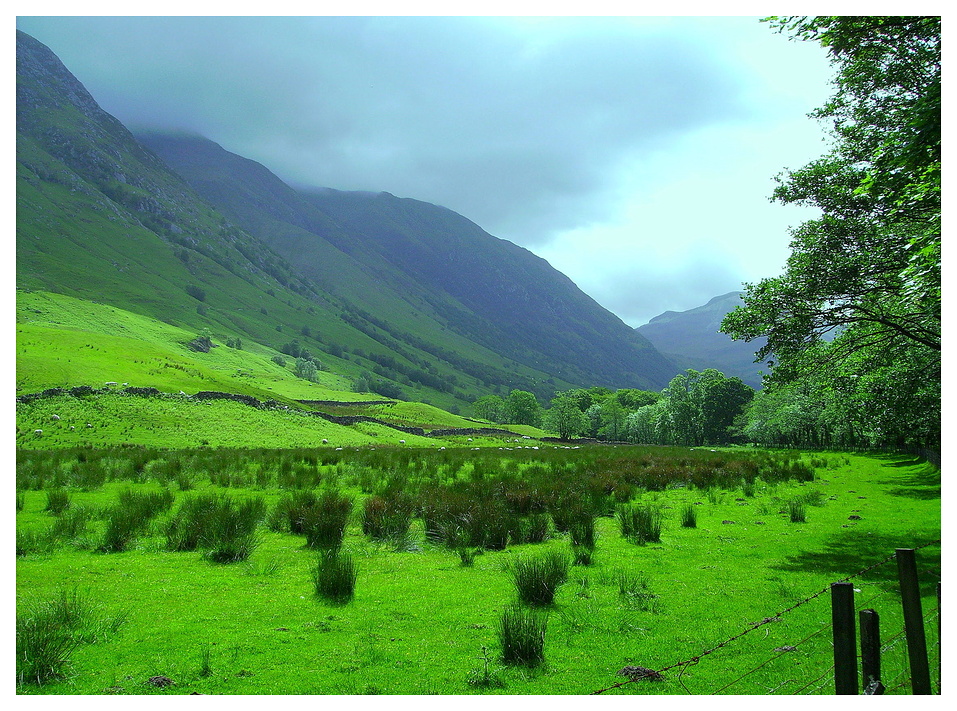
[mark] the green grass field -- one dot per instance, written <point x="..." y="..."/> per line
<point x="419" y="620"/>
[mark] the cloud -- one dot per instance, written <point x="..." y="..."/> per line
<point x="521" y="126"/>
<point x="635" y="154"/>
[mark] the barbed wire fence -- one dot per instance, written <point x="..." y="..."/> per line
<point x="825" y="679"/>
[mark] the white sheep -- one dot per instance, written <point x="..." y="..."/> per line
<point x="108" y="384"/>
<point x="72" y="428"/>
<point x="38" y="432"/>
<point x="57" y="417"/>
<point x="401" y="441"/>
<point x="325" y="441"/>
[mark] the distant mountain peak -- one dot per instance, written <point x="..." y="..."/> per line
<point x="693" y="339"/>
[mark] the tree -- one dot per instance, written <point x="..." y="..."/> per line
<point x="490" y="407"/>
<point x="564" y="417"/>
<point x="612" y="416"/>
<point x="306" y="369"/>
<point x="722" y="400"/>
<point x="869" y="267"/>
<point x="522" y="408"/>
<point x="632" y="399"/>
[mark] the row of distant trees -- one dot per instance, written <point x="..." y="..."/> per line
<point x="696" y="408"/>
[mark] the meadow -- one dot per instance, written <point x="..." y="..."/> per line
<point x="383" y="570"/>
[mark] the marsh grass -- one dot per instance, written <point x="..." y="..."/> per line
<point x="537" y="577"/>
<point x="536" y="528"/>
<point x="334" y="575"/>
<point x="582" y="555"/>
<point x="521" y="634"/>
<point x="32" y="542"/>
<point x="229" y="533"/>
<point x="72" y="523"/>
<point x="44" y="647"/>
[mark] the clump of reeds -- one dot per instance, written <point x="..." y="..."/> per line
<point x="385" y="518"/>
<point x="796" y="511"/>
<point x="689" y="516"/>
<point x="521" y="634"/>
<point x="324" y="523"/>
<point x="639" y="523"/>
<point x="49" y="632"/>
<point x="58" y="501"/>
<point x="536" y="578"/>
<point x="334" y="575"/>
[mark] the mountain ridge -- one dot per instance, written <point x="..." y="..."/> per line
<point x="692" y="338"/>
<point x="102" y="216"/>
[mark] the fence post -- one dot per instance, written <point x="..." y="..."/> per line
<point x="913" y="621"/>
<point x="870" y="648"/>
<point x="845" y="642"/>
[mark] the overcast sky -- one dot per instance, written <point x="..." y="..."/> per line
<point x="636" y="155"/>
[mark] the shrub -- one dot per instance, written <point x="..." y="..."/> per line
<point x="689" y="516"/>
<point x="21" y="500"/>
<point x="485" y="678"/>
<point x="640" y="524"/>
<point x="58" y="501"/>
<point x="521" y="633"/>
<point x="334" y="575"/>
<point x="536" y="578"/>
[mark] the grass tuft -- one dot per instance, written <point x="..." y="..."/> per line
<point x="334" y="575"/>
<point x="536" y="578"/>
<point x="521" y="634"/>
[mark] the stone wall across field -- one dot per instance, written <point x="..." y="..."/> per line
<point x="249" y="400"/>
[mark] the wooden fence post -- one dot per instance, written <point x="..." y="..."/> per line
<point x="913" y="621"/>
<point x="845" y="642"/>
<point x="939" y="641"/>
<point x="870" y="652"/>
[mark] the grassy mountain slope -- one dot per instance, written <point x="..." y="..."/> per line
<point x="432" y="272"/>
<point x="692" y="339"/>
<point x="63" y="342"/>
<point x="101" y="218"/>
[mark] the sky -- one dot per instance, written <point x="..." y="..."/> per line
<point x="636" y="154"/>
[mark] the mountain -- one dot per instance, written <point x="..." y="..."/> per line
<point x="420" y="267"/>
<point x="691" y="338"/>
<point x="398" y="293"/>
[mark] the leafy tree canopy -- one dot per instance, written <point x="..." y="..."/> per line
<point x="869" y="266"/>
